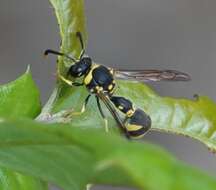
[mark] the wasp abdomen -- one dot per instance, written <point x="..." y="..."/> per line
<point x="123" y="104"/>
<point x="138" y="124"/>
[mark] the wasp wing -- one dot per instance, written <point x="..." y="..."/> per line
<point x="114" y="113"/>
<point x="151" y="75"/>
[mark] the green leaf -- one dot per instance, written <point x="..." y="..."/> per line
<point x="71" y="19"/>
<point x="193" y="118"/>
<point x="20" y="98"/>
<point x="111" y="160"/>
<point x="14" y="181"/>
<point x="71" y="157"/>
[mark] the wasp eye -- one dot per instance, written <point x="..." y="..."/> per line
<point x="80" y="68"/>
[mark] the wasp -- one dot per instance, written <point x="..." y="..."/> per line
<point x="100" y="82"/>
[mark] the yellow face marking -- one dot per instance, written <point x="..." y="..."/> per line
<point x="110" y="87"/>
<point x="130" y="113"/>
<point x="133" y="127"/>
<point x="88" y="78"/>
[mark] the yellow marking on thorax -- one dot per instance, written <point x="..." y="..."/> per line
<point x="113" y="88"/>
<point x="88" y="77"/>
<point x="133" y="127"/>
<point x="99" y="89"/>
<point x="130" y="113"/>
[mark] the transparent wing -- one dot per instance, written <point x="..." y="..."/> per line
<point x="114" y="113"/>
<point x="151" y="75"/>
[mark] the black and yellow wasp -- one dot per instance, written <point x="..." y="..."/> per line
<point x="100" y="81"/>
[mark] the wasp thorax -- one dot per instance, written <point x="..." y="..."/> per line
<point x="81" y="67"/>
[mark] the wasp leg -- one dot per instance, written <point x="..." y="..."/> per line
<point x="69" y="82"/>
<point x="83" y="106"/>
<point x="88" y="186"/>
<point x="102" y="114"/>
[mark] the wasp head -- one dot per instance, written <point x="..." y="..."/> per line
<point x="80" y="68"/>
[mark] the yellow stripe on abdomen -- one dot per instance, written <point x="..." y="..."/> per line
<point x="133" y="127"/>
<point x="135" y="131"/>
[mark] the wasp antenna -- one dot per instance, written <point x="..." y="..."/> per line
<point x="45" y="54"/>
<point x="50" y="51"/>
<point x="79" y="35"/>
